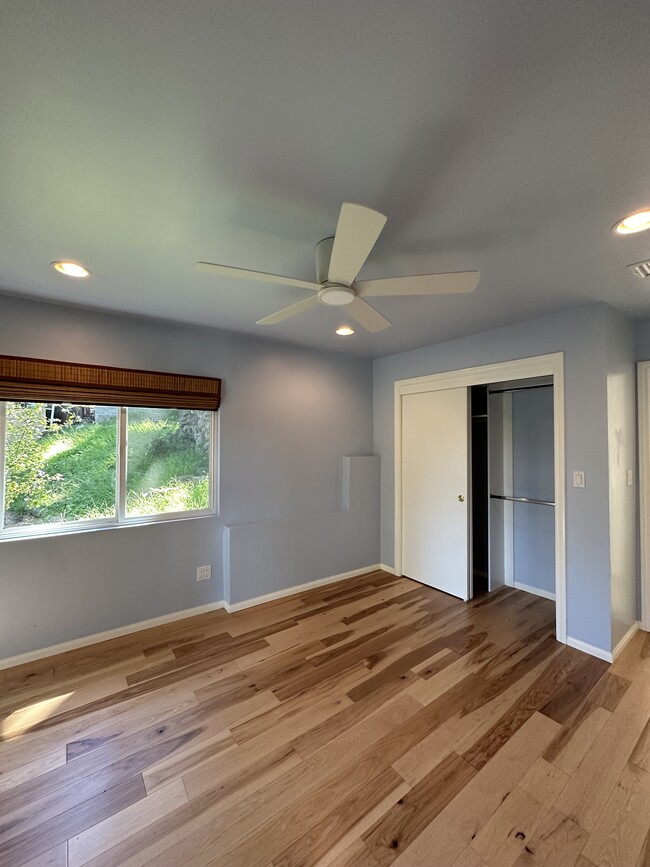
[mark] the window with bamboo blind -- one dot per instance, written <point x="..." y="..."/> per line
<point x="84" y="446"/>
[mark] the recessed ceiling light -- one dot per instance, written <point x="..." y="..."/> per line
<point x="638" y="222"/>
<point x="71" y="269"/>
<point x="344" y="330"/>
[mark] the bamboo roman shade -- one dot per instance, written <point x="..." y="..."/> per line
<point x="33" y="379"/>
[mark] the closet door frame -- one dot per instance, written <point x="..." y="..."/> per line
<point x="524" y="368"/>
<point x="643" y="386"/>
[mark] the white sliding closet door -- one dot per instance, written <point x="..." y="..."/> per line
<point x="435" y="507"/>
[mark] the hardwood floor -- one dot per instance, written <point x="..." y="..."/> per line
<point x="373" y="722"/>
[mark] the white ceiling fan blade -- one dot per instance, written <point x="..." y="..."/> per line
<point x="227" y="271"/>
<point x="365" y="315"/>
<point x="426" y="284"/>
<point x="288" y="312"/>
<point x="356" y="234"/>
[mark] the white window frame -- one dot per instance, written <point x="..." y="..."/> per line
<point x="120" y="518"/>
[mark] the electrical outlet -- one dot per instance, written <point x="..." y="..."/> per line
<point x="203" y="573"/>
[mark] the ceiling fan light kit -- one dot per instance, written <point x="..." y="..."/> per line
<point x="339" y="259"/>
<point x="335" y="295"/>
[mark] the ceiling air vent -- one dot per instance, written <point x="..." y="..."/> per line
<point x="640" y="269"/>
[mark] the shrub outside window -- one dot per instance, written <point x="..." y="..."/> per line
<point x="68" y="468"/>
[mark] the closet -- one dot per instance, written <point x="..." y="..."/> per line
<point x="512" y="460"/>
<point x="476" y="487"/>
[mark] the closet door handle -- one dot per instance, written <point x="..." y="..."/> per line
<point x="461" y="498"/>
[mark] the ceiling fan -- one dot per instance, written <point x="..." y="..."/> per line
<point x="338" y="261"/>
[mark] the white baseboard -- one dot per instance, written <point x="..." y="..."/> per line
<point x="106" y="636"/>
<point x="389" y="569"/>
<point x="291" y="591"/>
<point x="590" y="649"/>
<point x="629" y="635"/>
<point x="604" y="654"/>
<point x="535" y="590"/>
<point x="87" y="640"/>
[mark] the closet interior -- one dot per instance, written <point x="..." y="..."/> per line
<point x="512" y="486"/>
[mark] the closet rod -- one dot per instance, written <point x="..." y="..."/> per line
<point x="518" y="388"/>
<point x="521" y="500"/>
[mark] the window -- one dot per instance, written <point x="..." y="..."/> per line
<point x="68" y="467"/>
<point x="168" y="461"/>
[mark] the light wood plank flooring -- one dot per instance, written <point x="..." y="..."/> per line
<point x="372" y="722"/>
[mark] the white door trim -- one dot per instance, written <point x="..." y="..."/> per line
<point x="508" y="483"/>
<point x="643" y="383"/>
<point x="524" y="368"/>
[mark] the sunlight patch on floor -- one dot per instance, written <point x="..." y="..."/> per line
<point x="25" y="718"/>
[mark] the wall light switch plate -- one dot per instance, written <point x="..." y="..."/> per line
<point x="578" y="478"/>
<point x="203" y="573"/>
<point x="630" y="478"/>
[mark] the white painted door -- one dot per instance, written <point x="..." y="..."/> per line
<point x="435" y="507"/>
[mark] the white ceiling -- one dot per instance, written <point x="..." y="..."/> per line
<point x="499" y="135"/>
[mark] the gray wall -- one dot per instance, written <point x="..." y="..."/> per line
<point x="642" y="340"/>
<point x="533" y="476"/>
<point x="582" y="335"/>
<point x="289" y="416"/>
<point x="294" y="549"/>
<point x="623" y="498"/>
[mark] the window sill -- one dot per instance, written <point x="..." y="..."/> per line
<point x="145" y="521"/>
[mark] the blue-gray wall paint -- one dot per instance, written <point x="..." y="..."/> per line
<point x="532" y="444"/>
<point x="289" y="416"/>
<point x="582" y="335"/>
<point x="642" y="340"/>
<point x="623" y="498"/>
<point x="533" y="476"/>
<point x="294" y="549"/>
